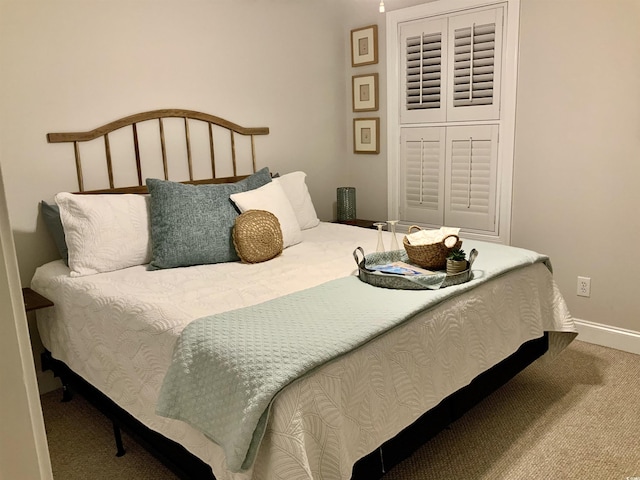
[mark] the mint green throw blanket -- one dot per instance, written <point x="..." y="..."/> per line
<point x="227" y="368"/>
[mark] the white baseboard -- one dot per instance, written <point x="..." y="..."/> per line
<point x="608" y="336"/>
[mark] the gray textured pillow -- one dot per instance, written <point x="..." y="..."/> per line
<point x="258" y="179"/>
<point x="51" y="216"/>
<point x="192" y="224"/>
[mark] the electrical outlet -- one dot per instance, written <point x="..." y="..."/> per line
<point x="584" y="286"/>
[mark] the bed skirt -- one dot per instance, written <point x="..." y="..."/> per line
<point x="373" y="466"/>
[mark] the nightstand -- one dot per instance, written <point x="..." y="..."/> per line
<point x="358" y="223"/>
<point x="34" y="301"/>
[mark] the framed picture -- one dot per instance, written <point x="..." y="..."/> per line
<point x="365" y="92"/>
<point x="364" y="46"/>
<point x="366" y="135"/>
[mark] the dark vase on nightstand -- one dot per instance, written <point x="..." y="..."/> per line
<point x="346" y="197"/>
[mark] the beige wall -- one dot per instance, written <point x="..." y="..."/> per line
<point x="577" y="165"/>
<point x="368" y="173"/>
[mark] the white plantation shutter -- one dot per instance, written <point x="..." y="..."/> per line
<point x="471" y="158"/>
<point x="473" y="65"/>
<point x="449" y="77"/>
<point x="424" y="69"/>
<point x="475" y="52"/>
<point x="424" y="73"/>
<point x="422" y="171"/>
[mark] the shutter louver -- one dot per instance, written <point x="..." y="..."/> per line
<point x="474" y="64"/>
<point x="424" y="71"/>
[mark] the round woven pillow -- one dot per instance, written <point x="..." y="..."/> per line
<point x="257" y="236"/>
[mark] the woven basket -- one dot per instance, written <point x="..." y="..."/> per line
<point x="257" y="236"/>
<point x="433" y="256"/>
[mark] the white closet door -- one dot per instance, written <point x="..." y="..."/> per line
<point x="470" y="191"/>
<point x="423" y="73"/>
<point x="422" y="174"/>
<point x="474" y="59"/>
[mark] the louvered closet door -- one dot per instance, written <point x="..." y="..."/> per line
<point x="422" y="175"/>
<point x="471" y="158"/>
<point x="423" y="73"/>
<point x="474" y="65"/>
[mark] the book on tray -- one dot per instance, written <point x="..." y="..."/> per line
<point x="401" y="268"/>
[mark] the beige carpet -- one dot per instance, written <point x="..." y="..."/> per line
<point x="576" y="418"/>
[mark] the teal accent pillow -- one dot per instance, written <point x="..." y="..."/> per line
<point x="193" y="224"/>
<point x="258" y="179"/>
<point x="51" y="216"/>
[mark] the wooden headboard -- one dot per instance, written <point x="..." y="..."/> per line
<point x="132" y="122"/>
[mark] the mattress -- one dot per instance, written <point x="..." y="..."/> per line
<point x="117" y="330"/>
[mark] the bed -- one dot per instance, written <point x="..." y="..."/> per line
<point x="120" y="316"/>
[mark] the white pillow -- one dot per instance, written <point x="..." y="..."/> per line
<point x="271" y="197"/>
<point x="295" y="187"/>
<point x="105" y="232"/>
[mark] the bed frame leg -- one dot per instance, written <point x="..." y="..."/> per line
<point x="120" y="450"/>
<point x="67" y="396"/>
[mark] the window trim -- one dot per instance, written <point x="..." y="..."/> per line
<point x="502" y="232"/>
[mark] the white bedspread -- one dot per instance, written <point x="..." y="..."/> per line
<point x="118" y="329"/>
